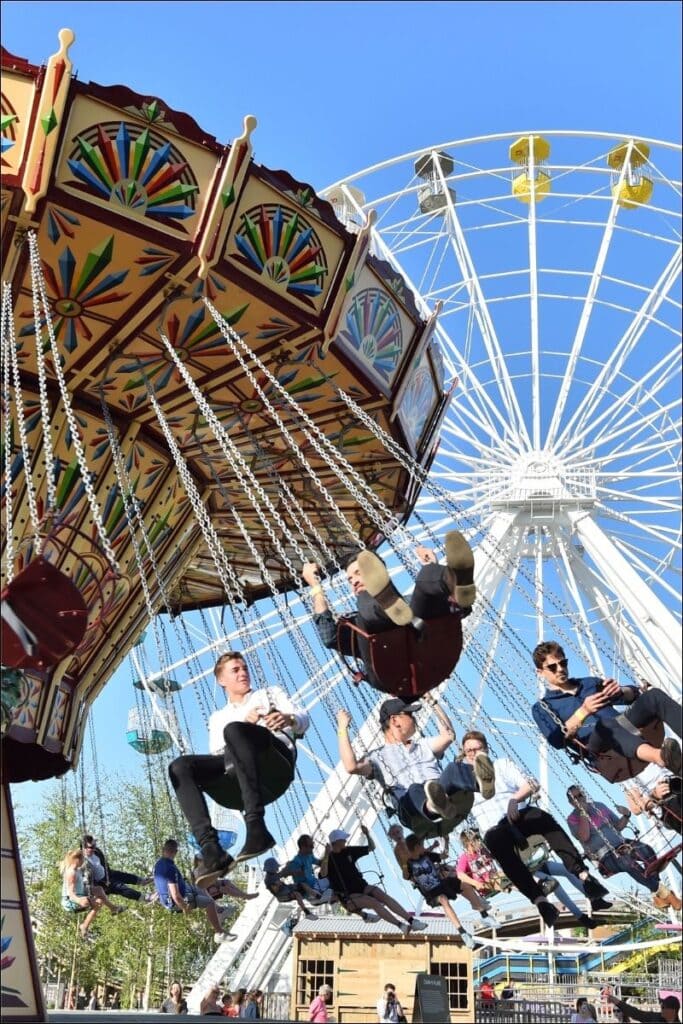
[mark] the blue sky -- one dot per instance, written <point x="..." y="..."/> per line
<point x="337" y="87"/>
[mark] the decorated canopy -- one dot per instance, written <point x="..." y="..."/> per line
<point x="140" y="216"/>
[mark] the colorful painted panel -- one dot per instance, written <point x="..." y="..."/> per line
<point x="16" y="101"/>
<point x="419" y="401"/>
<point x="21" y="997"/>
<point x="285" y="245"/>
<point x="134" y="166"/>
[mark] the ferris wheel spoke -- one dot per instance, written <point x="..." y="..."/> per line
<point x="481" y="311"/>
<point x="586" y="311"/>
<point x="625" y="346"/>
<point x="533" y="312"/>
<point x="648" y="450"/>
<point x="669" y="504"/>
<point x="569" y="581"/>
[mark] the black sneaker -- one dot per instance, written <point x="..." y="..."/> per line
<point x="258" y="841"/>
<point x="215" y="863"/>
<point x="548" y="912"/>
<point x="600" y="904"/>
<point x="593" y="889"/>
<point x="548" y="885"/>
<point x="585" y="921"/>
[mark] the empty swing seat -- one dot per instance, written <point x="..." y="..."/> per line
<point x="44" y="617"/>
<point x="276" y="772"/>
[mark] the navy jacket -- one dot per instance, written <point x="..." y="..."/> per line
<point x="564" y="705"/>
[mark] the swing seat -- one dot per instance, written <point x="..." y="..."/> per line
<point x="656" y="867"/>
<point x="408" y="663"/>
<point x="44" y="617"/>
<point x="276" y="772"/>
<point x="614" y="767"/>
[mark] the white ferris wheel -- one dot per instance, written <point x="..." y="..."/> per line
<point x="556" y="259"/>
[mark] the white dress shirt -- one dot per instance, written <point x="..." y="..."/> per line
<point x="264" y="700"/>
<point x="509" y="779"/>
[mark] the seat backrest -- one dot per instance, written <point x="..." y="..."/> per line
<point x="409" y="663"/>
<point x="51" y="607"/>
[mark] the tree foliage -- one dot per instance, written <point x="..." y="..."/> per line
<point x="144" y="949"/>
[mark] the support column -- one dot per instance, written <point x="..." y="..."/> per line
<point x="653" y="620"/>
<point x="22" y="995"/>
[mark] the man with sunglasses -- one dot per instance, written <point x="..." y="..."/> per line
<point x="580" y="713"/>
<point x="117" y="883"/>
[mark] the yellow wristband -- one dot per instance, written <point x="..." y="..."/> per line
<point x="581" y="715"/>
<point x="343" y="731"/>
<point x="314" y="591"/>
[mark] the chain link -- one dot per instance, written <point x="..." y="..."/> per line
<point x="38" y="285"/>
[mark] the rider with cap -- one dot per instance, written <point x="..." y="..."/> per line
<point x="440" y="590"/>
<point x="408" y="766"/>
<point x="352" y="890"/>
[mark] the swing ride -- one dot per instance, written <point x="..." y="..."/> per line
<point x="212" y="375"/>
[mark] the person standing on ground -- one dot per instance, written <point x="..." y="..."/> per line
<point x="317" y="1011"/>
<point x="389" y="1009"/>
<point x="175" y="1002"/>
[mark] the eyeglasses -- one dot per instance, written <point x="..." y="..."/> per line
<point x="553" y="666"/>
<point x="471" y="750"/>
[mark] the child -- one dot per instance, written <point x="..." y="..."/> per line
<point x="439" y="885"/>
<point x="283" y="893"/>
<point x="476" y="868"/>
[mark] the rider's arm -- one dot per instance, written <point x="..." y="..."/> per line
<point x="446" y="735"/>
<point x="174" y="893"/>
<point x="346" y="754"/>
<point x="620" y="823"/>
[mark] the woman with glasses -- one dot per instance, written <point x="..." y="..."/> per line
<point x="580" y="713"/>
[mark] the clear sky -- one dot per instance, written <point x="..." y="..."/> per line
<point x="337" y="87"/>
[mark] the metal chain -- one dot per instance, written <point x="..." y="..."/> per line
<point x="38" y="283"/>
<point x="11" y="362"/>
<point x="46" y="417"/>
<point x="315" y="436"/>
<point x="5" y="342"/>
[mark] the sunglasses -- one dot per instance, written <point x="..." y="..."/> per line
<point x="553" y="666"/>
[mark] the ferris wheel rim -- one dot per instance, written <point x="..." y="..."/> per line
<point x="496" y="137"/>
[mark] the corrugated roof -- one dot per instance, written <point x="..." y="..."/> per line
<point x="337" y="925"/>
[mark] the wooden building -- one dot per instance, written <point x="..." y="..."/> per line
<point x="357" y="959"/>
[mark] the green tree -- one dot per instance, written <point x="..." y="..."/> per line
<point x="144" y="949"/>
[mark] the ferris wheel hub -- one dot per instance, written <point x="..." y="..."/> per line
<point x="540" y="479"/>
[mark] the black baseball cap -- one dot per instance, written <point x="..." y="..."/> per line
<point x="396" y="706"/>
<point x="670" y="1003"/>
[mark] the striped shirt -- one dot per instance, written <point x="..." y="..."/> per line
<point x="398" y="765"/>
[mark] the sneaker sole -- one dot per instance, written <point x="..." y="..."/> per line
<point x="460" y="560"/>
<point x="257" y="853"/>
<point x="378" y="585"/>
<point x="438" y="801"/>
<point x="671" y="756"/>
<point x="485" y="775"/>
<point x="207" y="879"/>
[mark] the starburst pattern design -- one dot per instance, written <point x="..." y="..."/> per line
<point x="134" y="168"/>
<point x="279" y="244"/>
<point x="373" y="330"/>
<point x="77" y="292"/>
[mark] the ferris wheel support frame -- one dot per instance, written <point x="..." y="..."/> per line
<point x="653" y="619"/>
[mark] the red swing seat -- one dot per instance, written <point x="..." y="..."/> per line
<point x="614" y="767"/>
<point x="408" y="662"/>
<point x="52" y="612"/>
<point x="656" y="867"/>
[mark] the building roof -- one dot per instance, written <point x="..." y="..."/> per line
<point x="336" y="924"/>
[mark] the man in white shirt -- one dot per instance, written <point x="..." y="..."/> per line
<point x="252" y="725"/>
<point x="505" y="822"/>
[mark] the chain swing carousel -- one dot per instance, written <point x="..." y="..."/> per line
<point x="120" y="219"/>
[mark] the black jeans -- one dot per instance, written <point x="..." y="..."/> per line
<point x="192" y="773"/>
<point x="652" y="706"/>
<point x="500" y="841"/>
<point x="119" y="885"/>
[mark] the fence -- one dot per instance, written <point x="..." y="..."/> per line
<point x="520" y="1011"/>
